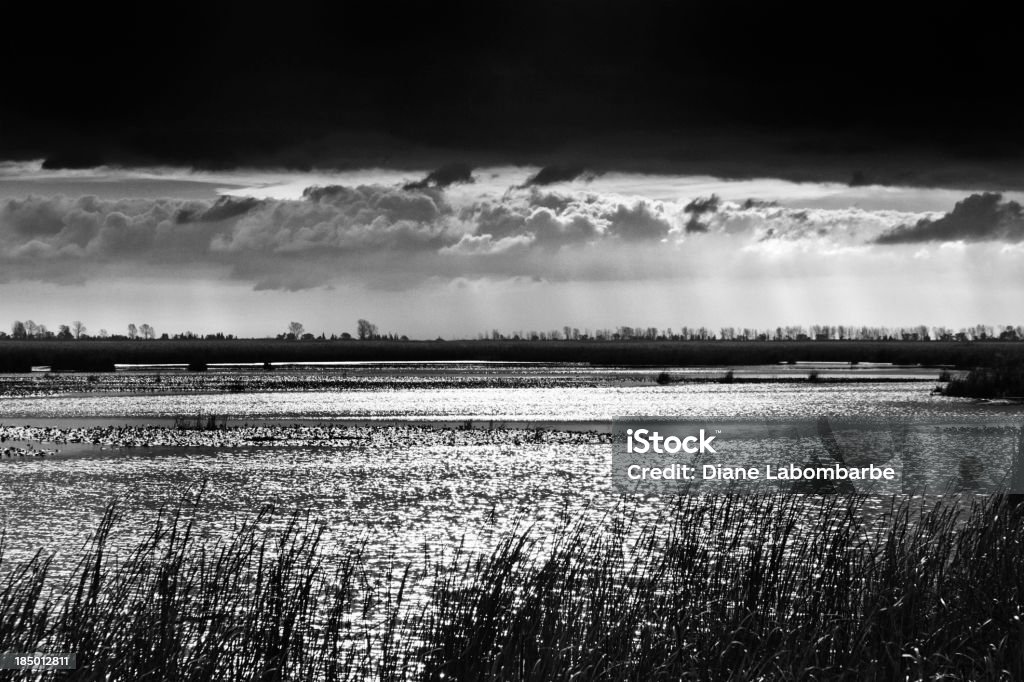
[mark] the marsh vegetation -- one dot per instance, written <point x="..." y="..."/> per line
<point x="727" y="587"/>
<point x="1003" y="379"/>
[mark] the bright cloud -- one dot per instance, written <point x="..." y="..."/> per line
<point x="400" y="235"/>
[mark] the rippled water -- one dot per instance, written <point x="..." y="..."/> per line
<point x="406" y="502"/>
<point x="569" y="404"/>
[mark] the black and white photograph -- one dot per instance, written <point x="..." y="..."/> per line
<point x="538" y="340"/>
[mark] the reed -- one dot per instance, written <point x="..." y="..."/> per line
<point x="715" y="588"/>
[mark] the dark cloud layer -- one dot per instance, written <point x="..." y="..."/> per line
<point x="979" y="217"/>
<point x="599" y="84"/>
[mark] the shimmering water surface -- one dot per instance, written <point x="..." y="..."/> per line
<point x="409" y="491"/>
<point x="605" y="399"/>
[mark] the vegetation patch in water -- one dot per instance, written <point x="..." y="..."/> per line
<point x="1003" y="380"/>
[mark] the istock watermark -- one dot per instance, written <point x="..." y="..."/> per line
<point x="642" y="441"/>
<point x="819" y="455"/>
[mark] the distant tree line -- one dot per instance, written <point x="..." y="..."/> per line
<point x="367" y="331"/>
<point x="29" y="330"/>
<point x="76" y="331"/>
<point x="814" y="332"/>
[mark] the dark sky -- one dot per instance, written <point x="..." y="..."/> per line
<point x="735" y="88"/>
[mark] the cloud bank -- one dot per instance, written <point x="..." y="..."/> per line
<point x="397" y="238"/>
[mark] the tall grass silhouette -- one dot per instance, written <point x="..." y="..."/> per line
<point x="715" y="588"/>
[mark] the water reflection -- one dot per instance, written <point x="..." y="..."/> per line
<point x="520" y="404"/>
<point x="413" y="494"/>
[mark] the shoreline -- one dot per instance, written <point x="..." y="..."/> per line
<point x="100" y="355"/>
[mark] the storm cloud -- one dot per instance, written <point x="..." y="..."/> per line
<point x="222" y="209"/>
<point x="979" y="217"/>
<point x="445" y="176"/>
<point x="550" y="175"/>
<point x="698" y="207"/>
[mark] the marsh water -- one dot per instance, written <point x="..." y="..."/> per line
<point x="403" y="481"/>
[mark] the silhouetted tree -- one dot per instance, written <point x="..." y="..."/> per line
<point x="18" y="330"/>
<point x="147" y="331"/>
<point x="133" y="331"/>
<point x="77" y="328"/>
<point x="295" y="330"/>
<point x="366" y="330"/>
<point x="64" y="334"/>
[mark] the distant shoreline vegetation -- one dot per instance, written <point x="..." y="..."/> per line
<point x="1004" y="378"/>
<point x="96" y="355"/>
<point x="367" y="331"/>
